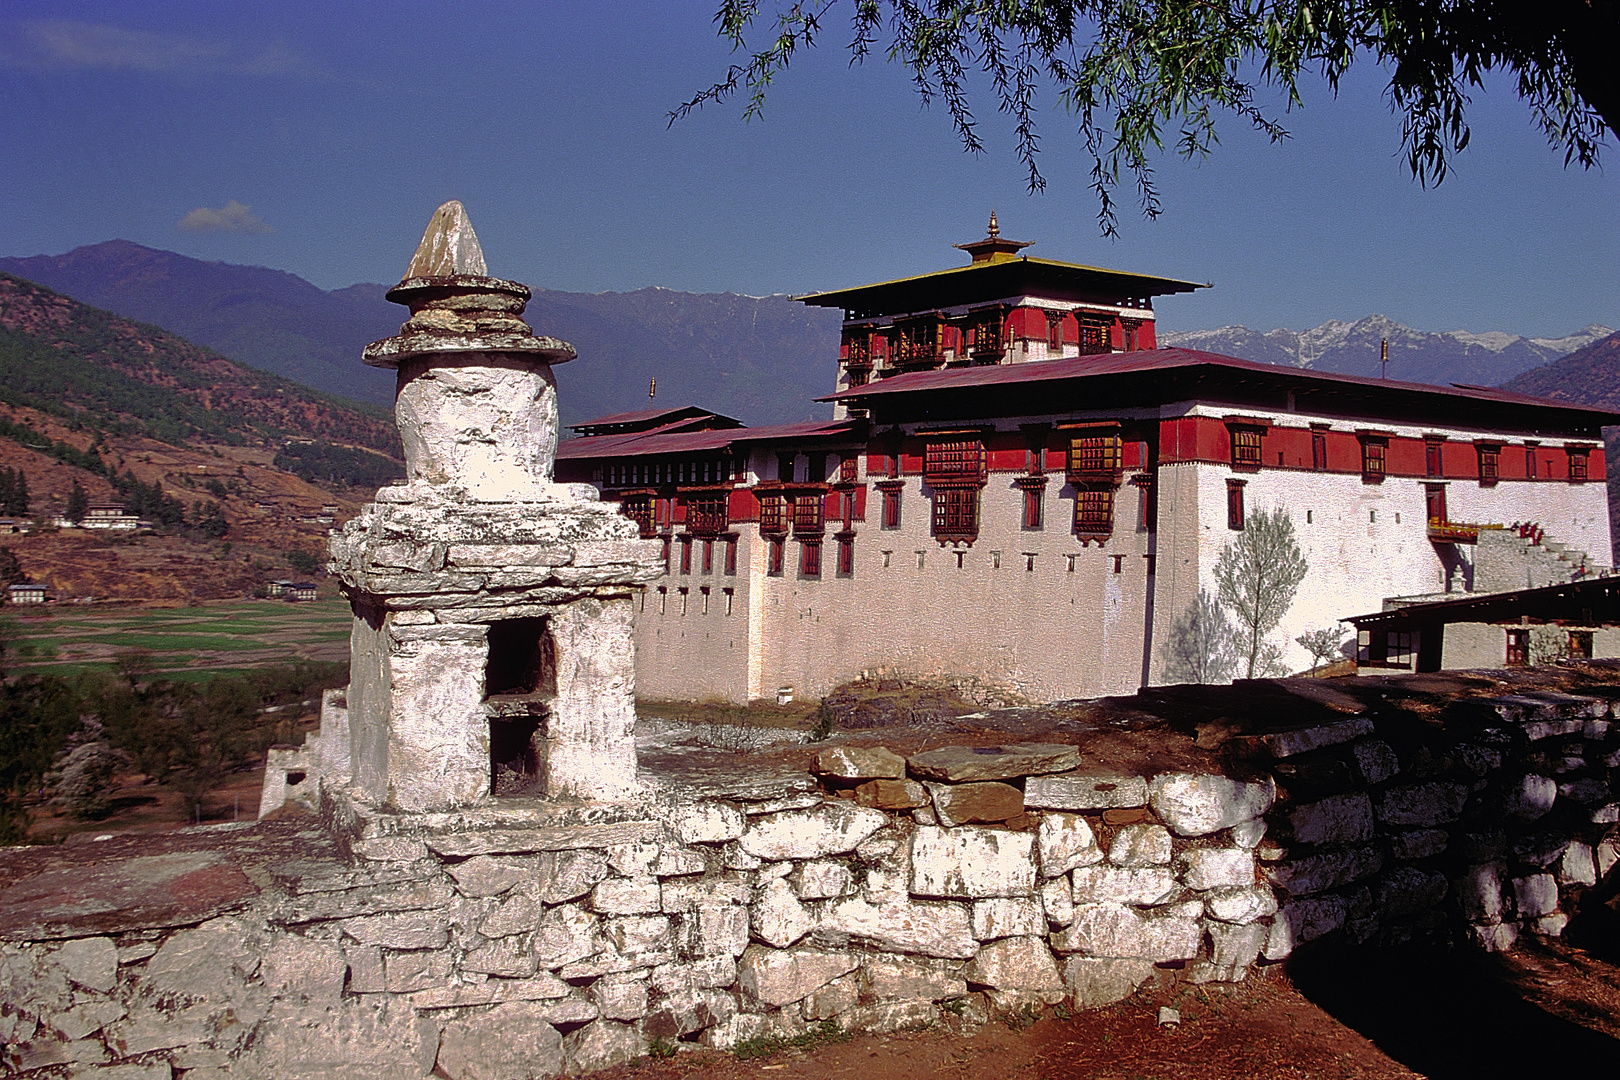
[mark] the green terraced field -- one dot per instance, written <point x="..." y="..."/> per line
<point x="183" y="643"/>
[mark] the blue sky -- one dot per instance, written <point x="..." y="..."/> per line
<point x="318" y="137"/>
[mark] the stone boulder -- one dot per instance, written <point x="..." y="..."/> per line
<point x="960" y="764"/>
<point x="777" y="977"/>
<point x="829" y="829"/>
<point x="971" y="862"/>
<point x="985" y="802"/>
<point x="860" y="763"/>
<point x="1015" y="963"/>
<point x="510" y="1042"/>
<point x="1195" y="804"/>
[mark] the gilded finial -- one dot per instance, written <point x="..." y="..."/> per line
<point x="995" y="230"/>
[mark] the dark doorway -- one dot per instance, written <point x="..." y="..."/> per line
<point x="520" y="681"/>
<point x="514" y="755"/>
<point x="522" y="660"/>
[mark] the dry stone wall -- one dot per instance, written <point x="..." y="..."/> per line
<point x="1488" y="827"/>
<point x="516" y="949"/>
<point x="880" y="894"/>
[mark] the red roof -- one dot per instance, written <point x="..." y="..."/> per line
<point x="1147" y="361"/>
<point x="648" y="419"/>
<point x="662" y="441"/>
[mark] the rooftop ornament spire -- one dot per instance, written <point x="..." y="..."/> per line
<point x="993" y="249"/>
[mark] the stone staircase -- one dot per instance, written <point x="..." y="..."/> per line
<point x="1522" y="556"/>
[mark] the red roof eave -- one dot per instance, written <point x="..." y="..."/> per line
<point x="641" y="444"/>
<point x="1170" y="359"/>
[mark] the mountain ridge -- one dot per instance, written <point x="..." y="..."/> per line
<point x="1353" y="348"/>
<point x="763" y="359"/>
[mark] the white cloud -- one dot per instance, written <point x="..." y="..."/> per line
<point x="233" y="217"/>
<point x="63" y="44"/>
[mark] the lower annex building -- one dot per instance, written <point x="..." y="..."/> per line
<point x="1018" y="487"/>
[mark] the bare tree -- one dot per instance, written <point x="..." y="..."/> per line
<point x="83" y="773"/>
<point x="1257" y="576"/>
<point x="1322" y="644"/>
<point x="1202" y="645"/>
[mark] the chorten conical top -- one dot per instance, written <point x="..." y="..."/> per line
<point x="449" y="246"/>
<point x="456" y="307"/>
<point x="993" y="248"/>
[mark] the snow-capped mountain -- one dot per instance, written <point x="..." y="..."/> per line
<point x="1352" y="348"/>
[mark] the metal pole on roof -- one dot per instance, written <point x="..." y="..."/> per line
<point x="1383" y="358"/>
<point x="652" y="388"/>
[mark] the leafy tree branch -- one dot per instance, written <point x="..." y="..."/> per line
<point x="1137" y="76"/>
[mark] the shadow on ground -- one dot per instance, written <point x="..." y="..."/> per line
<point x="1449" y="1014"/>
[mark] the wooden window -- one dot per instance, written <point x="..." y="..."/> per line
<point x="810" y="558"/>
<point x="1054" y="331"/>
<point x="1234" y="505"/>
<point x="891" y="508"/>
<point x="1033" y="498"/>
<point x="1530" y="460"/>
<point x="956" y="514"/>
<point x="640" y="511"/>
<point x="1518" y="648"/>
<point x="666" y="554"/>
<point x="961" y="461"/>
<point x="1147" y="503"/>
<point x="985" y="336"/>
<point x="1245" y="448"/>
<point x="1433" y="458"/>
<point x="784" y="467"/>
<point x="918" y="341"/>
<point x="708" y="556"/>
<point x="1130" y="334"/>
<point x="1095" y="457"/>
<point x="1399" y="645"/>
<point x="1094" y="511"/>
<point x="706" y="515"/>
<point x="1580" y="645"/>
<point x="773" y="556"/>
<point x="686" y="554"/>
<point x="809" y="514"/>
<point x="1373" y="453"/>
<point x="858" y="347"/>
<point x="846" y="556"/>
<point x="731" y="558"/>
<point x="1319" y="451"/>
<point x="773" y="515"/>
<point x="1578" y="458"/>
<point x="848" y="469"/>
<point x="1489" y="463"/>
<point x="1093" y="336"/>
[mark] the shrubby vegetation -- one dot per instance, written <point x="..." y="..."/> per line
<point x="88" y="460"/>
<point x="69" y="735"/>
<point x="319" y="460"/>
<point x="13" y="492"/>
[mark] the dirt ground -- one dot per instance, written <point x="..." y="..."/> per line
<point x="1550" y="1010"/>
<point x="140" y="806"/>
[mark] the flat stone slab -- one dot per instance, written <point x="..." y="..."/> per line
<point x="1090" y="792"/>
<point x="150" y="891"/>
<point x="956" y="764"/>
<point x="563" y="838"/>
